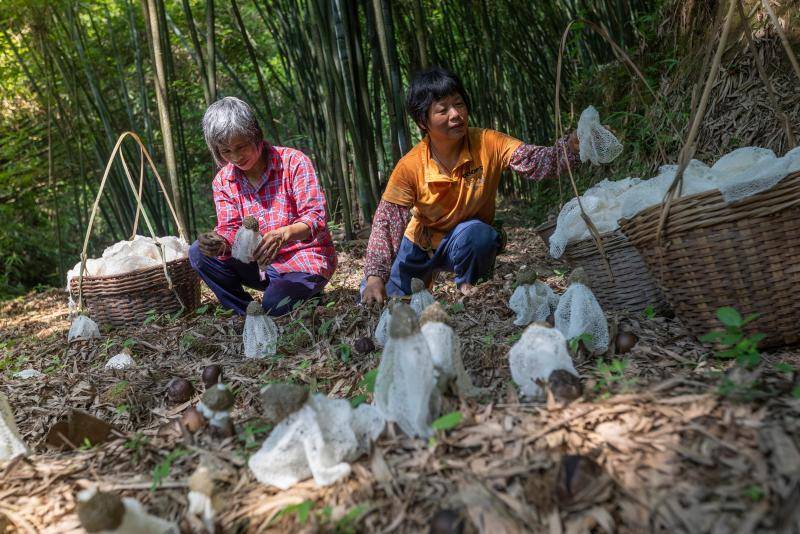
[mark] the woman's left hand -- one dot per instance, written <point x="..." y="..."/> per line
<point x="270" y="244"/>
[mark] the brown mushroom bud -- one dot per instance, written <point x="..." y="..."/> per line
<point x="251" y="223"/>
<point x="179" y="390"/>
<point x="434" y="313"/>
<point x="212" y="374"/>
<point x="364" y="345"/>
<point x="564" y="385"/>
<point x="551" y="320"/>
<point x="625" y="341"/>
<point x="446" y="522"/>
<point x="100" y="512"/>
<point x="578" y="276"/>
<point x="281" y="400"/>
<point x="222" y="430"/>
<point x="577" y="475"/>
<point x="417" y="285"/>
<point x="193" y="420"/>
<point x="403" y="322"/>
<point x="526" y="277"/>
<point x="218" y="398"/>
<point x="254" y="308"/>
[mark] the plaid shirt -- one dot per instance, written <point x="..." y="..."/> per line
<point x="288" y="193"/>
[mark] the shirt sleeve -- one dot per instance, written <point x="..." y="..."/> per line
<point x="540" y="162"/>
<point x="388" y="225"/>
<point x="228" y="217"/>
<point x="501" y="145"/>
<point x="402" y="188"/>
<point x="308" y="197"/>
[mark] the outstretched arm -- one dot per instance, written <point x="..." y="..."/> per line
<point x="540" y="162"/>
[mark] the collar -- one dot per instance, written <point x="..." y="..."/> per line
<point x="432" y="173"/>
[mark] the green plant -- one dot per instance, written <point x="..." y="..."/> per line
<point x="754" y="492"/>
<point x="151" y="316"/>
<point x="161" y="471"/>
<point x="344" y="352"/>
<point x="219" y="311"/>
<point x="252" y="433"/>
<point x="735" y="344"/>
<point x="649" y="312"/>
<point x="367" y="383"/>
<point x="303" y="510"/>
<point x="575" y="342"/>
<point x="612" y="375"/>
<point x="136" y="445"/>
<point x="445" y="422"/>
<point x="201" y="310"/>
<point x="117" y="389"/>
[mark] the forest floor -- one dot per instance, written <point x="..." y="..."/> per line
<point x="651" y="446"/>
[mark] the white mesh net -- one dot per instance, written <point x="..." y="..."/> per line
<point x="83" y="328"/>
<point x="260" y="336"/>
<point x="448" y="367"/>
<point x="532" y="303"/>
<point x="421" y="300"/>
<point x="244" y="244"/>
<point x="539" y="352"/>
<point x="578" y="313"/>
<point x="382" y="330"/>
<point x="123" y="360"/>
<point x="405" y="381"/>
<point x="318" y="440"/>
<point x="597" y="144"/>
<point x="750" y="170"/>
<point x="11" y="443"/>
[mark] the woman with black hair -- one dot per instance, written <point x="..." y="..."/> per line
<point x="447" y="185"/>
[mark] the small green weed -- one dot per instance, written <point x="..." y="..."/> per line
<point x="446" y="422"/>
<point x="136" y="445"/>
<point x="736" y="345"/>
<point x="367" y="384"/>
<point x="649" y="312"/>
<point x="161" y="471"/>
<point x="611" y="376"/>
<point x="303" y="511"/>
<point x="252" y="435"/>
<point x="576" y="341"/>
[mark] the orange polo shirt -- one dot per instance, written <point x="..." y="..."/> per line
<point x="439" y="201"/>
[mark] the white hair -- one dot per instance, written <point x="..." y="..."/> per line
<point x="226" y="118"/>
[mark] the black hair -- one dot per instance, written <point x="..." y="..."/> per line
<point x="430" y="85"/>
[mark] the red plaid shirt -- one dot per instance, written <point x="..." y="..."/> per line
<point x="288" y="193"/>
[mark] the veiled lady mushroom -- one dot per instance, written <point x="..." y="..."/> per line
<point x="215" y="405"/>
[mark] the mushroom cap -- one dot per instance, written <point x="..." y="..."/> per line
<point x="179" y="390"/>
<point x="417" y="285"/>
<point x="211" y="375"/>
<point x="364" y="345"/>
<point x="254" y="308"/>
<point x="403" y="322"/>
<point x="218" y="398"/>
<point x="527" y="276"/>
<point x="434" y="313"/>
<point x="578" y="276"/>
<point x="100" y="512"/>
<point x="251" y="223"/>
<point x="565" y="385"/>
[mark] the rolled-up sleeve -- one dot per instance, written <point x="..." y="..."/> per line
<point x="308" y="196"/>
<point x="229" y="219"/>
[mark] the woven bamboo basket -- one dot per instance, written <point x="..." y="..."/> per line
<point x="545" y="230"/>
<point x="129" y="298"/>
<point x="712" y="254"/>
<point x="631" y="289"/>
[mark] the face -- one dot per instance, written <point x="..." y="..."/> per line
<point x="241" y="152"/>
<point x="447" y="118"/>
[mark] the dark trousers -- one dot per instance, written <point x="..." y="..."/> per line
<point x="226" y="278"/>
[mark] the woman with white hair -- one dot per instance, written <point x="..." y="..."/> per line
<point x="278" y="187"/>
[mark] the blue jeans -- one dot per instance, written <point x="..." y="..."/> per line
<point x="226" y="278"/>
<point x="468" y="250"/>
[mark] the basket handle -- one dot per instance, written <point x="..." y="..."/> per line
<point x="139" y="208"/>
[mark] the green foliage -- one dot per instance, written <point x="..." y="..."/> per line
<point x="448" y="421"/>
<point x="367" y="384"/>
<point x="610" y="376"/>
<point x="649" y="312"/>
<point x="301" y="510"/>
<point x="161" y="471"/>
<point x="253" y="434"/>
<point x="575" y="342"/>
<point x="736" y="345"/>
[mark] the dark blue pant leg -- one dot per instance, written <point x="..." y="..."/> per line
<point x="411" y="262"/>
<point x="225" y="278"/>
<point x="285" y="290"/>
<point x="468" y="250"/>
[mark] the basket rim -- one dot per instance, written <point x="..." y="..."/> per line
<point x="130" y="274"/>
<point x="637" y="227"/>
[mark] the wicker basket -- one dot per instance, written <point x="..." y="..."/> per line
<point x="745" y="255"/>
<point x="632" y="288"/>
<point x="128" y="298"/>
<point x="545" y="230"/>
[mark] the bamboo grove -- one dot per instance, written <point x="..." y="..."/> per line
<point x="326" y="76"/>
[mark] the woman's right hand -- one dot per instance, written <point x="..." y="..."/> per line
<point x="374" y="291"/>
